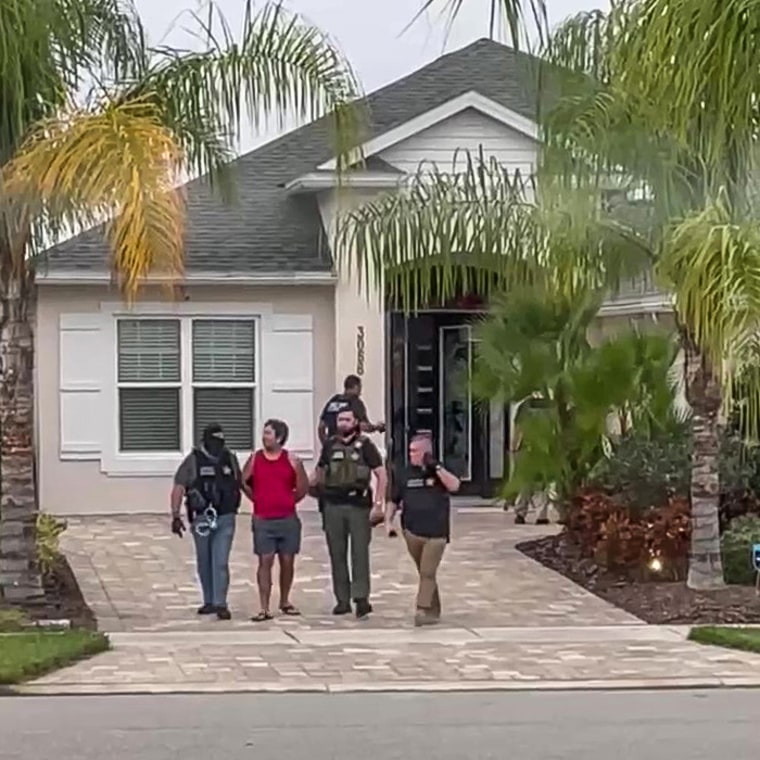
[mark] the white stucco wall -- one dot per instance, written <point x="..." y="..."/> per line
<point x="359" y="318"/>
<point x="79" y="469"/>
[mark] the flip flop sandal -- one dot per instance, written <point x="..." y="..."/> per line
<point x="261" y="617"/>
<point x="290" y="610"/>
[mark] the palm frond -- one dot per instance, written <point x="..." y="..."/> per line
<point x="698" y="63"/>
<point x="477" y="223"/>
<point x="48" y="48"/>
<point x="535" y="345"/>
<point x="279" y="66"/>
<point x="506" y="18"/>
<point x="712" y="264"/>
<point x="121" y="163"/>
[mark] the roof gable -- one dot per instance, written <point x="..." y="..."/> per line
<point x="442" y="112"/>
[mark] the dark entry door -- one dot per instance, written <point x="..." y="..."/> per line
<point x="431" y="361"/>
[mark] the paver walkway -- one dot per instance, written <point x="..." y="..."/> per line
<point x="136" y="576"/>
<point x="508" y="622"/>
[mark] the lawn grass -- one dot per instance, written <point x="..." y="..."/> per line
<point x="28" y="655"/>
<point x="744" y="638"/>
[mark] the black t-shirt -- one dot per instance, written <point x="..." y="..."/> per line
<point x="339" y="403"/>
<point x="425" y="503"/>
<point x="372" y="458"/>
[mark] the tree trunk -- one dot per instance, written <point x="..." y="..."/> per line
<point x="19" y="575"/>
<point x="704" y="395"/>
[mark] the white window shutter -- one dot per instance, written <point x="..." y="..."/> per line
<point x="79" y="386"/>
<point x="288" y="363"/>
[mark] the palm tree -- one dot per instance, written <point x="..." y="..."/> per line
<point x="660" y="100"/>
<point x="153" y="117"/>
<point x="535" y="345"/>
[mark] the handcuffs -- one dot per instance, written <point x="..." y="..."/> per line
<point x="206" y="523"/>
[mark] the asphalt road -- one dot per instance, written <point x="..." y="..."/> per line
<point x="525" y="726"/>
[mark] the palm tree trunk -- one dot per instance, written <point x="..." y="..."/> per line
<point x="704" y="395"/>
<point x="19" y="576"/>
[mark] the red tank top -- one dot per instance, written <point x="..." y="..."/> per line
<point x="273" y="486"/>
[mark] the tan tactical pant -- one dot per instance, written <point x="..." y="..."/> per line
<point x="427" y="554"/>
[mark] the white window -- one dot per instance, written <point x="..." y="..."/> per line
<point x="175" y="376"/>
<point x="150" y="383"/>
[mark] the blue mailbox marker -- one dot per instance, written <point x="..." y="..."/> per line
<point x="756" y="557"/>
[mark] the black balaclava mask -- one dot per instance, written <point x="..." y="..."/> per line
<point x="213" y="439"/>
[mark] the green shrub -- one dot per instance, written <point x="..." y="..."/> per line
<point x="739" y="478"/>
<point x="644" y="471"/>
<point x="736" y="549"/>
<point x="48" y="540"/>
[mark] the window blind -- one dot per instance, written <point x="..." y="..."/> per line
<point x="232" y="408"/>
<point x="223" y="351"/>
<point x="149" y="350"/>
<point x="149" y="419"/>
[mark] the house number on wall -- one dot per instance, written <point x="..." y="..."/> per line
<point x="360" y="350"/>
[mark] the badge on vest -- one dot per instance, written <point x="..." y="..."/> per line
<point x="226" y="470"/>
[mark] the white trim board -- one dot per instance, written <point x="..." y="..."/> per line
<point x="326" y="180"/>
<point x="470" y="99"/>
<point x="100" y="277"/>
<point x="654" y="303"/>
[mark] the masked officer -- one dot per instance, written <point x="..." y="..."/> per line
<point x="422" y="491"/>
<point x="209" y="482"/>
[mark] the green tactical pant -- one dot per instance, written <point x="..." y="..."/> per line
<point x="344" y="522"/>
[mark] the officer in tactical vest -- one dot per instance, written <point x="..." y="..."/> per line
<point x="209" y="482"/>
<point x="422" y="491"/>
<point x="343" y="480"/>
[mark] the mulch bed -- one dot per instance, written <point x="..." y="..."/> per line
<point x="63" y="600"/>
<point x="652" y="602"/>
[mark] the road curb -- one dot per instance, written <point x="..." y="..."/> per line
<point x="397" y="687"/>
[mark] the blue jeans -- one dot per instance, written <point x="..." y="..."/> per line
<point x="212" y="554"/>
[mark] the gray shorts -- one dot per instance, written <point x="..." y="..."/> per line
<point x="282" y="536"/>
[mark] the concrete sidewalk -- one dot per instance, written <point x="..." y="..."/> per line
<point x="444" y="659"/>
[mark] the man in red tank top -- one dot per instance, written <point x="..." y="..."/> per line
<point x="275" y="481"/>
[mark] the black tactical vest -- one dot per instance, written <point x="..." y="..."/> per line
<point x="217" y="482"/>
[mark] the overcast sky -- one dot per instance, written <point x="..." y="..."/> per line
<point x="368" y="31"/>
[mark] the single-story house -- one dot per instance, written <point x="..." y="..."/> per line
<point x="265" y="326"/>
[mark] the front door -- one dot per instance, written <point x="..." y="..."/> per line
<point x="431" y="357"/>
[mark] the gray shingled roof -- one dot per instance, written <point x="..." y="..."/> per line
<point x="267" y="230"/>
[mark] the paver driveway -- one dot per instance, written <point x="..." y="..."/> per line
<point x="136" y="576"/>
<point x="508" y="622"/>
